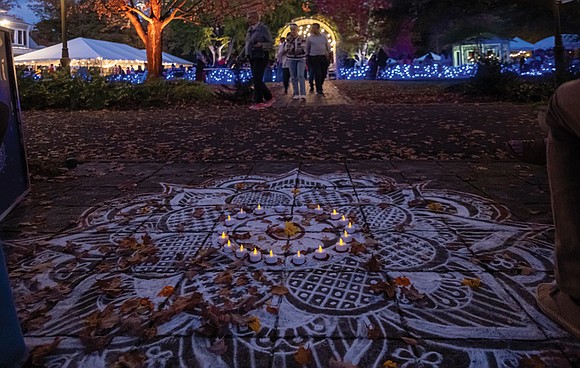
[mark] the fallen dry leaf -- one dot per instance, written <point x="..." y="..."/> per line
<point x="374" y="264"/>
<point x="402" y="281"/>
<point x="38" y="353"/>
<point x="130" y="359"/>
<point x="254" y="323"/>
<point x="303" y="356"/>
<point x="390" y="364"/>
<point x="167" y="291"/>
<point x="473" y="283"/>
<point x="409" y="340"/>
<point x="279" y="290"/>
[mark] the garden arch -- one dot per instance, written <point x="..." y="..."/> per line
<point x="326" y="28"/>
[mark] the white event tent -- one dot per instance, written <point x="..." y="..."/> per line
<point x="569" y="41"/>
<point x="89" y="52"/>
<point x="517" y="44"/>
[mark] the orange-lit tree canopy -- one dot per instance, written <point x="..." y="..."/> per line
<point x="150" y="17"/>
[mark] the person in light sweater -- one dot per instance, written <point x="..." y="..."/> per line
<point x="318" y="51"/>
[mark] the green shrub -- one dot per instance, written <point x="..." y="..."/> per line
<point x="490" y="83"/>
<point x="62" y="92"/>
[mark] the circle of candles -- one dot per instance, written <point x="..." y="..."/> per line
<point x="228" y="247"/>
<point x="242" y="214"/>
<point x="341" y="247"/>
<point x="255" y="256"/>
<point x="259" y="210"/>
<point x="271" y="258"/>
<point x="343" y="221"/>
<point x="229" y="221"/>
<point x="241" y="251"/>
<point x="346" y="237"/>
<point x="334" y="215"/>
<point x="318" y="210"/>
<point x="223" y="238"/>
<point x="298" y="259"/>
<point x="280" y="209"/>
<point x="320" y="253"/>
<point x="350" y="228"/>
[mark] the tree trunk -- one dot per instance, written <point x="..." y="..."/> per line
<point x="154" y="49"/>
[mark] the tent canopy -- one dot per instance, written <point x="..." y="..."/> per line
<point x="517" y="44"/>
<point x="89" y="49"/>
<point x="433" y="55"/>
<point x="570" y="42"/>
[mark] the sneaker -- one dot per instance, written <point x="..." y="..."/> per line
<point x="559" y="307"/>
<point x="257" y="106"/>
<point x="296" y="97"/>
<point x="320" y="93"/>
<point x="303" y="97"/>
<point x="270" y="102"/>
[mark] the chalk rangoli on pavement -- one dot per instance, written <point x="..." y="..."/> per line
<point x="442" y="266"/>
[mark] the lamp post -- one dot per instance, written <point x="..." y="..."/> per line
<point x="558" y="44"/>
<point x="65" y="59"/>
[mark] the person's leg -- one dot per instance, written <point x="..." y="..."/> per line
<point x="301" y="65"/>
<point x="286" y="78"/>
<point x="561" y="302"/>
<point x="266" y="94"/>
<point x="324" y="63"/>
<point x="310" y="73"/>
<point x="257" y="76"/>
<point x="319" y="72"/>
<point x="293" y="64"/>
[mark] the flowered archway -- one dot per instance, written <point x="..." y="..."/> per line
<point x="326" y="28"/>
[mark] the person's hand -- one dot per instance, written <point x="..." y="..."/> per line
<point x="258" y="45"/>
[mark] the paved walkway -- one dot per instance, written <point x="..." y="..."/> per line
<point x="122" y="263"/>
<point x="331" y="96"/>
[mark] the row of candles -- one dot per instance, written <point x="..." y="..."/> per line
<point x="271" y="259"/>
<point x="334" y="215"/>
<point x="298" y="259"/>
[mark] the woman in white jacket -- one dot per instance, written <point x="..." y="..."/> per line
<point x="296" y="59"/>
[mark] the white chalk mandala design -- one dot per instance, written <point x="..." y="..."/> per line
<point x="432" y="238"/>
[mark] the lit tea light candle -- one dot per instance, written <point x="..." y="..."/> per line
<point x="223" y="238"/>
<point x="350" y="228"/>
<point x="280" y="209"/>
<point x="320" y="253"/>
<point x="229" y="221"/>
<point x="318" y="210"/>
<point x="341" y="247"/>
<point x="346" y="237"/>
<point x="241" y="252"/>
<point x="228" y="247"/>
<point x="242" y="214"/>
<point x="298" y="259"/>
<point x="334" y="215"/>
<point x="255" y="256"/>
<point x="259" y="210"/>
<point x="343" y="221"/>
<point x="271" y="259"/>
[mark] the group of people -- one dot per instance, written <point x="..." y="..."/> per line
<point x="294" y="53"/>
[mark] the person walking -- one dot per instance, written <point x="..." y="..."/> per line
<point x="282" y="60"/>
<point x="561" y="300"/>
<point x="318" y="51"/>
<point x="296" y="58"/>
<point x="258" y="43"/>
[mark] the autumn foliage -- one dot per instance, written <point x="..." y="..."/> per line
<point x="150" y="17"/>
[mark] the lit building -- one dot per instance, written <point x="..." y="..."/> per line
<point x="21" y="42"/>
